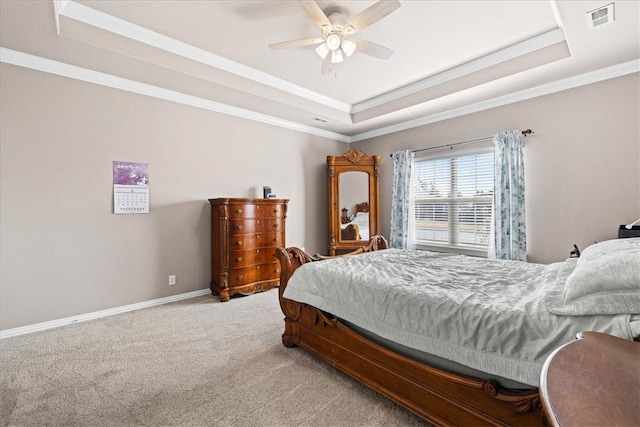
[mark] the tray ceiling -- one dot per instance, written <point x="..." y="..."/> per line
<point x="451" y="57"/>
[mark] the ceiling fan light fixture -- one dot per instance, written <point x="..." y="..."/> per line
<point x="333" y="42"/>
<point x="336" y="57"/>
<point x="348" y="47"/>
<point x="323" y="50"/>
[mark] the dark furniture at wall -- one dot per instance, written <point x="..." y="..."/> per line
<point x="244" y="236"/>
<point x="625" y="233"/>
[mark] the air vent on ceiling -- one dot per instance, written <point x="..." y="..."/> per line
<point x="600" y="16"/>
<point x="320" y="119"/>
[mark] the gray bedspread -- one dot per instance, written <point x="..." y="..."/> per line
<point x="485" y="314"/>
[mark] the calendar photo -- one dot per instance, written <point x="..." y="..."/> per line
<point x="130" y="187"/>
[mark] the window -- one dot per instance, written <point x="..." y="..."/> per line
<point x="453" y="202"/>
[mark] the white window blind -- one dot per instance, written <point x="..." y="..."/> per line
<point x="453" y="201"/>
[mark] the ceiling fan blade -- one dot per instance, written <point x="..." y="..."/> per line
<point x="314" y="11"/>
<point x="371" y="15"/>
<point x="327" y="65"/>
<point x="297" y="43"/>
<point x="373" y="49"/>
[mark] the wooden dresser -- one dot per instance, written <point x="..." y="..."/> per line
<point x="244" y="236"/>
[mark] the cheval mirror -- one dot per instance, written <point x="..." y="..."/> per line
<point x="354" y="192"/>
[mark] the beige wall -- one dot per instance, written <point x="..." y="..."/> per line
<point x="582" y="165"/>
<point x="65" y="253"/>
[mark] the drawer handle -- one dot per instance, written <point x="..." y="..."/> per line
<point x="275" y="239"/>
<point x="257" y="221"/>
<point x="238" y="210"/>
<point x="258" y="267"/>
<point x="239" y="242"/>
<point x="276" y="270"/>
<point x="275" y="225"/>
<point x="239" y="259"/>
<point x="275" y="210"/>
<point x="239" y="277"/>
<point x="239" y="227"/>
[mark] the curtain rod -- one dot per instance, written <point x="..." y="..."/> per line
<point x="475" y="141"/>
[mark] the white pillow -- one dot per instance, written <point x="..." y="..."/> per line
<point x="606" y="279"/>
<point x="607" y="247"/>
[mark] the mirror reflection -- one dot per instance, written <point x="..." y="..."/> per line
<point x="354" y="205"/>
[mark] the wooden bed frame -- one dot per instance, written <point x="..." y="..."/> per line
<point x="440" y="397"/>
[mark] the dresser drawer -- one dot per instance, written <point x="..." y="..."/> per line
<point x="238" y="259"/>
<point x="256" y="240"/>
<point x="256" y="211"/>
<point x="241" y="276"/>
<point x="244" y="226"/>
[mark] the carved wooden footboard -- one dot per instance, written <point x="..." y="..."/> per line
<point x="440" y="397"/>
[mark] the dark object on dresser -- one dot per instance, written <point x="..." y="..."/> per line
<point x="244" y="236"/>
<point x="266" y="192"/>
<point x="624" y="232"/>
<point x="593" y="381"/>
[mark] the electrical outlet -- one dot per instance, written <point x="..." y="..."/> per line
<point x="172" y="280"/>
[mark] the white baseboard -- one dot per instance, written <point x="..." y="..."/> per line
<point x="98" y="314"/>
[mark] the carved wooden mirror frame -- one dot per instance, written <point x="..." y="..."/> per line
<point x="352" y="161"/>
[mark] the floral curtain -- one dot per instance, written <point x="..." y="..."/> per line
<point x="509" y="237"/>
<point x="402" y="201"/>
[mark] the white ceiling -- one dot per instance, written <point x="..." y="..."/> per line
<point x="451" y="57"/>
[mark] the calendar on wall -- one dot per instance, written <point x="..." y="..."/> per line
<point x="130" y="187"/>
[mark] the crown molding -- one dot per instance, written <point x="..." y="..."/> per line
<point x="71" y="71"/>
<point x="530" y="45"/>
<point x="556" y="13"/>
<point x="591" y="77"/>
<point x="79" y="12"/>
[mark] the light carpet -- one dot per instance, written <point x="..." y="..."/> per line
<point x="197" y="362"/>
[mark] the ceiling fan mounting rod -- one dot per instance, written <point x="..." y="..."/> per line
<point x="336" y="19"/>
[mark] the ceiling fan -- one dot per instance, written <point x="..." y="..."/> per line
<point x="337" y="40"/>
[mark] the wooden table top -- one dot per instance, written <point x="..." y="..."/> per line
<point x="593" y="381"/>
